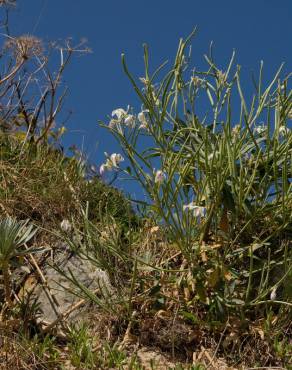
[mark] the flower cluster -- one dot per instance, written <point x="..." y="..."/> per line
<point x="262" y="128"/>
<point x="111" y="163"/>
<point x="122" y="117"/>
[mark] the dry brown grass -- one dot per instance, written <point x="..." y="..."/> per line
<point x="14" y="356"/>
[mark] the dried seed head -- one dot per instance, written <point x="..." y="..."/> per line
<point x="24" y="47"/>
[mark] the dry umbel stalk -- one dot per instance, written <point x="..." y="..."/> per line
<point x="31" y="90"/>
<point x="24" y="47"/>
<point x="31" y="98"/>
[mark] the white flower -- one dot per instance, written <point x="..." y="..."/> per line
<point x="142" y="118"/>
<point x="273" y="294"/>
<point x="198" y="211"/>
<point x="259" y="129"/>
<point x="120" y="116"/>
<point x="212" y="155"/>
<point x="159" y="177"/>
<point x="111" y="163"/>
<point x="283" y="130"/>
<point x="143" y="80"/>
<point x="115" y="159"/>
<point x="102" y="169"/>
<point x="130" y="120"/>
<point x="119" y="113"/>
<point x="66" y="225"/>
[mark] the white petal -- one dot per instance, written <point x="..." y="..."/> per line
<point x="142" y="117"/>
<point x="143" y="80"/>
<point x="189" y="206"/>
<point x="130" y="120"/>
<point x="159" y="177"/>
<point x="119" y="113"/>
<point x="273" y="294"/>
<point x="260" y="129"/>
<point x="198" y="211"/>
<point x="116" y="159"/>
<point x="102" y="169"/>
<point x="283" y="130"/>
<point x="66" y="225"/>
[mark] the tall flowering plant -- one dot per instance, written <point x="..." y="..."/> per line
<point x="219" y="176"/>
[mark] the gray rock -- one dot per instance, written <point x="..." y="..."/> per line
<point x="62" y="289"/>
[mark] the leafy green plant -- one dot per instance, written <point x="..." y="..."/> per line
<point x="45" y="351"/>
<point x="112" y="356"/>
<point x="28" y="310"/>
<point x="283" y="349"/>
<point x="193" y="367"/>
<point x="13" y="236"/>
<point x="81" y="347"/>
<point x="218" y="178"/>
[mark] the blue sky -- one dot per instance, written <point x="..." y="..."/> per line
<point x="256" y="29"/>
